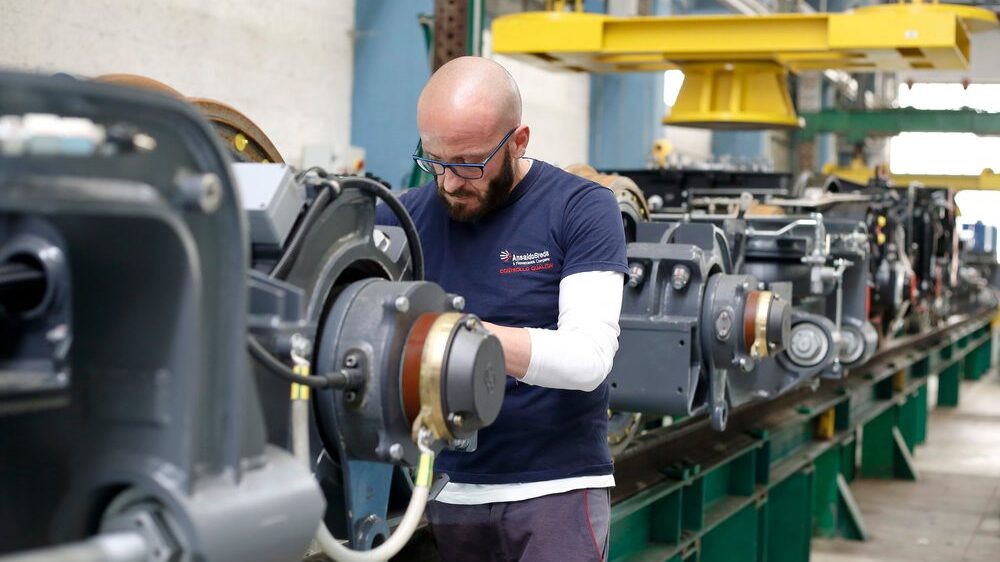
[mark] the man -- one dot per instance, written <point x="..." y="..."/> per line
<point x="539" y="254"/>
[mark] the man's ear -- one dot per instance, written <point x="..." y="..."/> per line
<point x="521" y="136"/>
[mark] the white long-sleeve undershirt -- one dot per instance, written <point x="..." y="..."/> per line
<point x="578" y="355"/>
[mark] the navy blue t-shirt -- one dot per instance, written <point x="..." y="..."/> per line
<point x="508" y="266"/>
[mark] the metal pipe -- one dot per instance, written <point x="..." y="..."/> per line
<point x="781" y="231"/>
<point x="108" y="547"/>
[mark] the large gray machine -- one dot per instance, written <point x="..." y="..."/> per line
<point x="134" y="424"/>
<point x="697" y="337"/>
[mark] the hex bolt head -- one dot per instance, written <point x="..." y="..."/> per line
<point x="456" y="419"/>
<point x="458" y="302"/>
<point x="402" y="304"/>
<point x="636" y="274"/>
<point x="396" y="452"/>
<point x="746" y="364"/>
<point x="301" y="345"/>
<point x="200" y="191"/>
<point x="680" y="276"/>
<point x="723" y="324"/>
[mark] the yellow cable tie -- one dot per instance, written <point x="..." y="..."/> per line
<point x="425" y="470"/>
<point x="300" y="391"/>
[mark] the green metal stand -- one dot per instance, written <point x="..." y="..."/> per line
<point x="761" y="495"/>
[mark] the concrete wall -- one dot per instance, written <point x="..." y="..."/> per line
<point x="287" y="65"/>
<point x="556" y="107"/>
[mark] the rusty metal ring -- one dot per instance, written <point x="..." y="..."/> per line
<point x="241" y="135"/>
<point x="432" y="363"/>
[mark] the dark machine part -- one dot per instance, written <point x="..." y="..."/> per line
<point x="826" y="262"/>
<point x="673" y="188"/>
<point x="35" y="315"/>
<point x="420" y="353"/>
<point x="405" y="355"/>
<point x="126" y="201"/>
<point x="631" y="200"/>
<point x="680" y="301"/>
<point x="812" y="343"/>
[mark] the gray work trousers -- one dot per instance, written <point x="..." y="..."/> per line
<point x="568" y="527"/>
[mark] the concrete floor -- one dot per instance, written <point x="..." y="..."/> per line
<point x="952" y="512"/>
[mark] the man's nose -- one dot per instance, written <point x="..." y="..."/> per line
<point x="451" y="182"/>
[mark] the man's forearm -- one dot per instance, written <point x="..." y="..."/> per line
<point x="516" y="345"/>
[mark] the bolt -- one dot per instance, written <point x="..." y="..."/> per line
<point x="456" y="420"/>
<point x="396" y="452"/>
<point x="240" y="142"/>
<point x="723" y="324"/>
<point x="761" y="286"/>
<point x="301" y="345"/>
<point x="636" y="274"/>
<point x="351" y="361"/>
<point x="57" y="334"/>
<point x="458" y="302"/>
<point x="402" y="304"/>
<point x="746" y="364"/>
<point x="470" y="323"/>
<point x="745" y="285"/>
<point x="200" y="191"/>
<point x="680" y="276"/>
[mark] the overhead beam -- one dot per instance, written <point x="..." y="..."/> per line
<point x="858" y="125"/>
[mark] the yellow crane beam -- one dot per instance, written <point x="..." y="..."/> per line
<point x="883" y="37"/>
<point x="737" y="65"/>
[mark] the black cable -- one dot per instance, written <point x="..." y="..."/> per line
<point x="318" y="169"/>
<point x="280" y="269"/>
<point x="409" y="228"/>
<point x="335" y="380"/>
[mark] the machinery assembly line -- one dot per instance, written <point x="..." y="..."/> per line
<point x="213" y="350"/>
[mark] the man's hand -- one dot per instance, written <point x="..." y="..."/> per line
<point x="516" y="345"/>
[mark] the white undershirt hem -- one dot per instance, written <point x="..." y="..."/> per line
<point x="477" y="494"/>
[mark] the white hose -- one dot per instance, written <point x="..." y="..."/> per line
<point x="414" y="511"/>
<point x="404" y="531"/>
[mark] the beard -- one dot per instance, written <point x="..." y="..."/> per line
<point x="497" y="193"/>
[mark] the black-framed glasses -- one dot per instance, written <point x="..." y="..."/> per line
<point x="472" y="171"/>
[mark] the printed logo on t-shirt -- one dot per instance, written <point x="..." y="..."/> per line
<point x="528" y="261"/>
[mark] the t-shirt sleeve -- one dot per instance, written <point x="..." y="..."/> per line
<point x="384" y="215"/>
<point x="593" y="236"/>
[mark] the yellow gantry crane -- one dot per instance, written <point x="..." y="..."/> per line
<point x="736" y="66"/>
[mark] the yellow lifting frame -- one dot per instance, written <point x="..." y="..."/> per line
<point x="883" y="37"/>
<point x="736" y="66"/>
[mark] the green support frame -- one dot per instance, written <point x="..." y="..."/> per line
<point x="762" y="495"/>
<point x="859" y="125"/>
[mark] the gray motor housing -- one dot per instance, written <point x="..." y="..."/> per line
<point x="162" y="418"/>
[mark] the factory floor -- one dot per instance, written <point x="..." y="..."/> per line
<point x="952" y="512"/>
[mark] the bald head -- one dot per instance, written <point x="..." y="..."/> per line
<point x="468" y="98"/>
